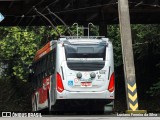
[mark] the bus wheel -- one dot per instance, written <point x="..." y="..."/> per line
<point x="49" y="103"/>
<point x="109" y="108"/>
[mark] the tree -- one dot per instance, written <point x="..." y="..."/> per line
<point x="18" y="47"/>
<point x="147" y="52"/>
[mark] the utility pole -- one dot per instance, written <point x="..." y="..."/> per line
<point x="128" y="59"/>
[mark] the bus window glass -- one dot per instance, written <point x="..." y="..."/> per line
<point x="83" y="51"/>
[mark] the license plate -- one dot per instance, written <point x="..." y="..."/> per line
<point x="86" y="84"/>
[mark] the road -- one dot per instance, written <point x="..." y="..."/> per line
<point x="85" y="117"/>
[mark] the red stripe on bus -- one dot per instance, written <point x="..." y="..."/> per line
<point x="44" y="50"/>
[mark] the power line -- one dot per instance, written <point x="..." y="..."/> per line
<point x="26" y="13"/>
<point x="47" y="20"/>
<point x="50" y="4"/>
<point x="57" y="11"/>
<point x="72" y="10"/>
<point x="39" y="3"/>
<point x="143" y="4"/>
<point x="31" y="20"/>
<point x="84" y="8"/>
<point x="43" y="21"/>
<point x="53" y="19"/>
<point x="32" y="7"/>
<point x="15" y="19"/>
<point x="67" y="10"/>
<point x="69" y="31"/>
<point x="29" y="11"/>
<point x="20" y="20"/>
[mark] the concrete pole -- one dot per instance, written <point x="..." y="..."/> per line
<point x="128" y="60"/>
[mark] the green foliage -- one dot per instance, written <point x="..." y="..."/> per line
<point x="18" y="46"/>
<point x="17" y="50"/>
<point x="15" y="97"/>
<point x="146" y="48"/>
<point x="146" y="40"/>
<point x="155" y="89"/>
<point x="114" y="35"/>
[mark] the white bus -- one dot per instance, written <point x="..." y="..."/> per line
<point x="74" y="73"/>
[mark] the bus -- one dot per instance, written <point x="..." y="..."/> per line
<point x="74" y="73"/>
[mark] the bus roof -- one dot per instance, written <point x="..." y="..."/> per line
<point x="43" y="51"/>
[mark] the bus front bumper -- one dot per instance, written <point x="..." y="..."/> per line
<point x="85" y="95"/>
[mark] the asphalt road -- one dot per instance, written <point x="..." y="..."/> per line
<point x="84" y="118"/>
<point x="87" y="117"/>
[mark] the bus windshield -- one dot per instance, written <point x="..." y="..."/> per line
<point x="91" y="52"/>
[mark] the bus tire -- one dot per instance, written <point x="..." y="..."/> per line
<point x="109" y="108"/>
<point x="49" y="103"/>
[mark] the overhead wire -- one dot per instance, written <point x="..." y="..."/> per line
<point x="143" y="4"/>
<point x="71" y="10"/>
<point x="20" y="20"/>
<point x="59" y="11"/>
<point x="54" y="19"/>
<point x="50" y="5"/>
<point x="31" y="20"/>
<point x="39" y="3"/>
<point x="83" y="8"/>
<point x="43" y="21"/>
<point x="26" y="13"/>
<point x="15" y="19"/>
<point x="69" y="31"/>
<point x="41" y="11"/>
<point x="47" y="20"/>
<point x="32" y="7"/>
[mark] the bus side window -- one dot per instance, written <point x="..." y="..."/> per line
<point x="42" y="68"/>
<point x="41" y="80"/>
<point x="54" y="58"/>
<point x="45" y="66"/>
<point x="36" y="82"/>
<point x="48" y="64"/>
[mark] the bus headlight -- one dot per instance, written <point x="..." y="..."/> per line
<point x="92" y="75"/>
<point x="79" y="75"/>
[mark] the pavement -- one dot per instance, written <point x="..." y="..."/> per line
<point x="88" y="117"/>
